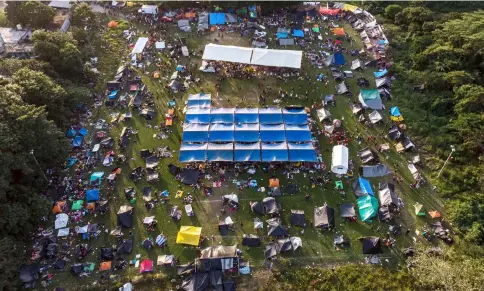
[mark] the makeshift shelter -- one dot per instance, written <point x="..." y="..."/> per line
<point x="328" y="11"/>
<point x="394" y="132"/>
<point x="357" y="65"/>
<point x="146" y="266"/>
<point x="189" y="235"/>
<point x="298" y="218"/>
<point x="165" y="260"/>
<point x="368" y="207"/>
<point x="198" y="115"/>
<point x="61" y="220"/>
<point x="193" y="152"/>
<point x="220" y="152"/>
<point x="395" y="114"/>
<point x="247" y="132"/>
<point x="380" y="74"/>
<point x="77" y="205"/>
<point x="339" y="160"/>
<point x="338" y="31"/>
<point x="92" y="195"/>
<point x="225" y="225"/>
<point x="189" y="176"/>
<point x="347" y="210"/>
<point x="247" y="152"/>
<point x="375" y="117"/>
<point x="366" y="155"/>
<point x="286" y="41"/>
<point x="29" y="273"/>
<point x="125" y="247"/>
<point x="323" y="113"/>
<point x="275" y="228"/>
<point x="324" y="217"/>
<point x="197" y="282"/>
<point x="298" y="133"/>
<point x="339" y="59"/>
<point x="297" y="33"/>
<point x="370" y="98"/>
<point x="217" y="18"/>
<point x="125" y="216"/>
<point x="246" y="115"/>
<point x="301" y="152"/>
<point x="77" y="141"/>
<point x="383" y="83"/>
<point x="419" y="211"/>
<point x="230" y="18"/>
<point x="222" y="115"/>
<point x="270" y="116"/>
<point x="270" y="205"/>
<point x="140" y="45"/>
<point x="295" y="115"/>
<point x="271" y="250"/>
<point x="96" y="178"/>
<point x="221" y="132"/>
<point x="276" y="58"/>
<point x="215" y="52"/>
<point x="388" y="196"/>
<point x="251" y="241"/>
<point x="203" y="20"/>
<point x="184" y="25"/>
<point x="258" y="208"/>
<point x="274" y="152"/>
<point x="341" y="88"/>
<point x="371" y="245"/>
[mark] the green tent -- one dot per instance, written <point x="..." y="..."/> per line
<point x="89" y="267"/>
<point x="77" y="205"/>
<point x="316" y="29"/>
<point x="242" y="11"/>
<point x="370" y="94"/>
<point x="368" y="207"/>
<point x="253" y="14"/>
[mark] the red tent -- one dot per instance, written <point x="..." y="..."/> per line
<point x="327" y="11"/>
<point x="146" y="266"/>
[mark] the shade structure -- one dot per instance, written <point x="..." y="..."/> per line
<point x="202" y="100"/>
<point x="295" y="116"/>
<point x="140" y="45"/>
<point x="272" y="133"/>
<point x="246" y="115"/>
<point x="248" y="132"/>
<point x="222" y="132"/>
<point x="226" y="53"/>
<point x="270" y="115"/>
<point x="220" y="152"/>
<point x="217" y="18"/>
<point x="301" y="152"/>
<point x="370" y="98"/>
<point x="277" y="58"/>
<point x="92" y="195"/>
<point x="189" y="235"/>
<point x="198" y="115"/>
<point x="298" y="133"/>
<point x="222" y="115"/>
<point x="194" y="132"/>
<point x="339" y="160"/>
<point x="193" y="152"/>
<point x="368" y="207"/>
<point x="275" y="152"/>
<point x="247" y="152"/>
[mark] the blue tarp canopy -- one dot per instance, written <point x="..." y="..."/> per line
<point x="275" y="152"/>
<point x="222" y="115"/>
<point x="382" y="42"/>
<point x="272" y="133"/>
<point x="96" y="177"/>
<point x="248" y="132"/>
<point x="222" y="132"/>
<point x="252" y="8"/>
<point x="295" y="116"/>
<point x="83" y="131"/>
<point x="77" y="141"/>
<point x="71" y="133"/>
<point x="365" y="186"/>
<point x="339" y="59"/>
<point x="301" y="152"/>
<point x="298" y="33"/>
<point x="198" y="115"/>
<point x="282" y="35"/>
<point x="220" y="152"/>
<point x="246" y="115"/>
<point x="247" y="152"/>
<point x="113" y="94"/>
<point x="298" y="133"/>
<point x="394" y="111"/>
<point x="92" y="195"/>
<point x="380" y="74"/>
<point x="199" y="100"/>
<point x="217" y="18"/>
<point x="71" y="162"/>
<point x="195" y="132"/>
<point x="270" y="115"/>
<point x="193" y="152"/>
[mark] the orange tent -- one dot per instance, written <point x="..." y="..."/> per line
<point x="105" y="266"/>
<point x="112" y="24"/>
<point x="434" y="214"/>
<point x="190" y="15"/>
<point x="169" y="122"/>
<point x="338" y="31"/>
<point x="91" y="206"/>
<point x="58" y="207"/>
<point x="273" y="182"/>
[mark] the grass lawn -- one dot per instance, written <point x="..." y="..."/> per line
<point x="317" y="247"/>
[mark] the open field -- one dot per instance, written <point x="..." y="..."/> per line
<point x="317" y="247"/>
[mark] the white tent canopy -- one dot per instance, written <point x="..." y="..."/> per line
<point x="339" y="160"/>
<point x="140" y="45"/>
<point x="226" y="53"/>
<point x="276" y="58"/>
<point x="61" y="220"/>
<point x="323" y="114"/>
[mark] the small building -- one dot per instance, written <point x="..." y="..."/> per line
<point x="14" y="42"/>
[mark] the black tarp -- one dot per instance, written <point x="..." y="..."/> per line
<point x="223" y="228"/>
<point x="106" y="254"/>
<point x="59" y="264"/>
<point x="102" y="205"/>
<point x="144" y="153"/>
<point x="284" y="245"/>
<point x="76" y="269"/>
<point x="251" y="241"/>
<point x="384" y="214"/>
<point x="258" y="208"/>
<point x="216" y="280"/>
<point x="298" y="218"/>
<point x="196" y="282"/>
<point x="185" y="269"/>
<point x="189" y="176"/>
<point x="125" y="247"/>
<point x="173" y="169"/>
<point x="276" y="228"/>
<point x="291" y="189"/>
<point x="29" y="273"/>
<point x="124" y="216"/>
<point x="152" y="162"/>
<point x="51" y="250"/>
<point x="394" y="132"/>
<point x="347" y="210"/>
<point x="270" y="250"/>
<point x="229" y="286"/>
<point x="379" y="170"/>
<point x="324" y="217"/>
<point x="371" y="245"/>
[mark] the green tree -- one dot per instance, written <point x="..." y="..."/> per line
<point x="12" y="11"/>
<point x="392" y="10"/>
<point x="83" y="16"/>
<point x="10" y="249"/>
<point x="469" y="98"/>
<point x="35" y="13"/>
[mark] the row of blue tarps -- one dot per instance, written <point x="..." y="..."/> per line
<point x="246" y="115"/>
<point x="245" y="132"/>
<point x="266" y="152"/>
<point x="200" y="100"/>
<point x="217" y="18"/>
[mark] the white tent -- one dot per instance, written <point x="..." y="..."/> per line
<point x="375" y="117"/>
<point x="339" y="160"/>
<point x="60" y="4"/>
<point x="149" y="9"/>
<point x="323" y="114"/>
<point x="276" y="58"/>
<point x="61" y="220"/>
<point x="140" y="45"/>
<point x="226" y="53"/>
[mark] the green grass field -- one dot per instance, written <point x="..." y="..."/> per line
<point x="317" y="247"/>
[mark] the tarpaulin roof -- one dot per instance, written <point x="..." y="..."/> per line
<point x="298" y="218"/>
<point x="124" y="216"/>
<point x="347" y="210"/>
<point x="383" y="82"/>
<point x="323" y="114"/>
<point x="29" y="273"/>
<point x="189" y="235"/>
<point x="328" y="11"/>
<point x="199" y="100"/>
<point x="203" y="20"/>
<point x="298" y="133"/>
<point x="217" y="18"/>
<point x="227" y="53"/>
<point x="220" y="152"/>
<point x="349" y="7"/>
<point x="370" y="98"/>
<point x="140" y="45"/>
<point x="222" y="132"/>
<point x="380" y="74"/>
<point x="281" y="35"/>
<point x="193" y="152"/>
<point x="146" y="266"/>
<point x="295" y="116"/>
<point x="368" y="207"/>
<point x="375" y="117"/>
<point x="339" y="59"/>
<point x="286" y="41"/>
<point x="92" y="195"/>
<point x="219" y="251"/>
<point x="189" y="176"/>
<point x="270" y="116"/>
<point x="301" y="152"/>
<point x="248" y="132"/>
<point x="198" y="115"/>
<point x="77" y="141"/>
<point x="230" y="18"/>
<point x="246" y="115"/>
<point x="222" y="115"/>
<point x="394" y="111"/>
<point x="371" y="245"/>
<point x="338" y="31"/>
<point x="195" y="132"/>
<point x="375" y="171"/>
<point x="356" y="64"/>
<point x="247" y="152"/>
<point x="365" y="187"/>
<point x="341" y="88"/>
<point x="324" y="216"/>
<point x="276" y="58"/>
<point x="61" y="220"/>
<point x="275" y="152"/>
<point x="339" y="160"/>
<point x="298" y="33"/>
<point x="272" y="133"/>
<point x="387" y="194"/>
<point x="196" y="282"/>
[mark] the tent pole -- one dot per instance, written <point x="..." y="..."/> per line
<point x="448" y="158"/>
<point x="43" y="174"/>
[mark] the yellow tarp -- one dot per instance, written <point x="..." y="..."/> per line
<point x="397" y="118"/>
<point x="349" y="7"/>
<point x="189" y="235"/>
<point x="130" y="4"/>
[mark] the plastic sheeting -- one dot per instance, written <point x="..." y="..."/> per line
<point x="193" y="153"/>
<point x="247" y="152"/>
<point x="368" y="207"/>
<point x="248" y="132"/>
<point x="272" y="133"/>
<point x="246" y="115"/>
<point x="226" y="53"/>
<point x="298" y="133"/>
<point x="295" y="116"/>
<point x="339" y="59"/>
<point x="201" y="100"/>
<point x="298" y="33"/>
<point x="222" y="115"/>
<point x="217" y="18"/>
<point x="276" y="58"/>
<point x="370" y="98"/>
<point x="140" y="45"/>
<point x="198" y="115"/>
<point x="220" y="152"/>
<point x="301" y="152"/>
<point x="270" y="116"/>
<point x="221" y="132"/>
<point x="275" y="152"/>
<point x="193" y="132"/>
<point x="375" y="171"/>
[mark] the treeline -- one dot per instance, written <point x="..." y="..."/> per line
<point x="440" y="46"/>
<point x="39" y="99"/>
